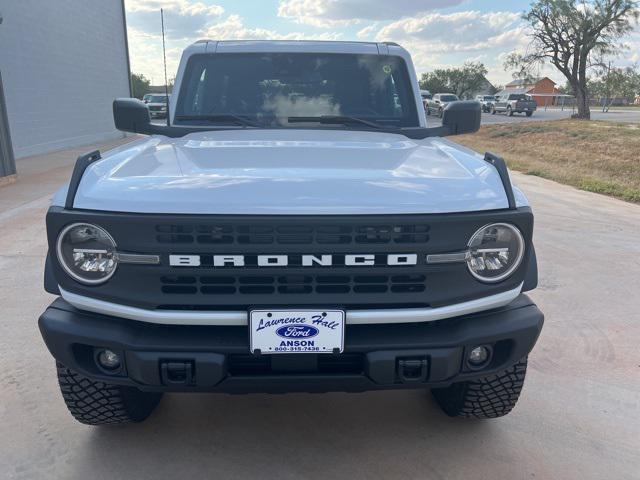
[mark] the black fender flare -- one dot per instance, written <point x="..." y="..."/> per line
<point x="531" y="275"/>
<point x="50" y="282"/>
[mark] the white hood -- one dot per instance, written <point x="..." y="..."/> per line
<point x="285" y="171"/>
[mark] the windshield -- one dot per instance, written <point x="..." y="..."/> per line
<point x="274" y="88"/>
<point x="518" y="97"/>
<point x="157" y="99"/>
<point x="448" y="98"/>
<point x="489" y="97"/>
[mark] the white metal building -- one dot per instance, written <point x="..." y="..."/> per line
<point x="62" y="64"/>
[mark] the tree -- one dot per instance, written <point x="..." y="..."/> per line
<point x="435" y="82"/>
<point x="615" y="82"/>
<point x="464" y="82"/>
<point x="139" y="85"/>
<point x="573" y="35"/>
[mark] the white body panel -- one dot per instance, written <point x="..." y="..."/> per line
<point x="247" y="171"/>
<point x="286" y="171"/>
<point x="291" y="171"/>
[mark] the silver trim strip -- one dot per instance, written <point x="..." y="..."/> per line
<point x="457" y="257"/>
<point x="396" y="315"/>
<point x="134" y="258"/>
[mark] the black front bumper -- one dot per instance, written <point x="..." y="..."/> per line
<point x="217" y="359"/>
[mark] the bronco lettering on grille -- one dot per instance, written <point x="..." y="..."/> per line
<point x="355" y="260"/>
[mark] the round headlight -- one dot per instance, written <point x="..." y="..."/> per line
<point x="495" y="251"/>
<point x="87" y="253"/>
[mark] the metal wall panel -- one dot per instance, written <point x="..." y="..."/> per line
<point x="63" y="64"/>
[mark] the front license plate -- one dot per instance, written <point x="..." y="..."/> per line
<point x="296" y="331"/>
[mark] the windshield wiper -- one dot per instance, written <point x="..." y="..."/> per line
<point x="220" y="118"/>
<point x="336" y="119"/>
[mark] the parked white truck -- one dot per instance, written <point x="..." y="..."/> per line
<point x="297" y="227"/>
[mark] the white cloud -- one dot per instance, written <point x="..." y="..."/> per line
<point x="332" y="13"/>
<point x="233" y="28"/>
<point x="145" y="51"/>
<point x="437" y="40"/>
<point x="182" y="7"/>
<point x="367" y="32"/>
<point x="146" y="47"/>
<point x="182" y="18"/>
<point x="460" y="31"/>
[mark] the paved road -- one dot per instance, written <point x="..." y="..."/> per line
<point x="623" y="116"/>
<point x="578" y="418"/>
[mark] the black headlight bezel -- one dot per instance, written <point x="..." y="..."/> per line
<point x="68" y="269"/>
<point x="514" y="266"/>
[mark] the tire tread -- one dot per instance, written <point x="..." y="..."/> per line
<point x="98" y="403"/>
<point x="490" y="397"/>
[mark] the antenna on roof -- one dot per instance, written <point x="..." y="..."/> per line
<point x="164" y="55"/>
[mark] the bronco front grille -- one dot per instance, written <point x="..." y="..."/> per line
<point x="205" y="286"/>
<point x="212" y="234"/>
<point x="291" y="284"/>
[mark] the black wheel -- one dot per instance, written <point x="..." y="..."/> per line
<point x="440" y="113"/>
<point x="529" y="114"/>
<point x="490" y="397"/>
<point x="428" y="111"/>
<point x="509" y="112"/>
<point x="493" y="110"/>
<point x="98" y="403"/>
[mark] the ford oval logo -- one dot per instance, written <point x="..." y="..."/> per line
<point x="297" y="331"/>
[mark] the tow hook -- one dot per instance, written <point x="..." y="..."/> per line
<point x="177" y="373"/>
<point x="412" y="370"/>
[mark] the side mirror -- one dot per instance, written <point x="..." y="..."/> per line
<point x="132" y="115"/>
<point x="462" y="117"/>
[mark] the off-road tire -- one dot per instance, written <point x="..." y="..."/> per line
<point x="440" y="113"/>
<point x="490" y="397"/>
<point x="99" y="403"/>
<point x="428" y="111"/>
<point x="529" y="114"/>
<point x="493" y="110"/>
<point x="509" y="112"/>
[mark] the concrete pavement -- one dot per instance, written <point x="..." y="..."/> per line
<point x="578" y="417"/>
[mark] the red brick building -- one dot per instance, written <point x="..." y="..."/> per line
<point x="542" y="85"/>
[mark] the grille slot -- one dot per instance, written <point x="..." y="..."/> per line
<point x="211" y="234"/>
<point x="291" y="284"/>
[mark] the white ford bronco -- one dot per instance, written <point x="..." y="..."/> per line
<point x="295" y="227"/>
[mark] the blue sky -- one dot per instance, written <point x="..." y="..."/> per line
<point x="438" y="33"/>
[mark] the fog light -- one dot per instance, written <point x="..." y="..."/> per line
<point x="108" y="360"/>
<point x="478" y="356"/>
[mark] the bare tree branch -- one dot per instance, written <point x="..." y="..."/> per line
<point x="573" y="36"/>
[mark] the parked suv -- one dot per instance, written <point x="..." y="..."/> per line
<point x="511" y="103"/>
<point x="426" y="96"/>
<point x="438" y="103"/>
<point x="486" y="101"/>
<point x="157" y="105"/>
<point x="296" y="228"/>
